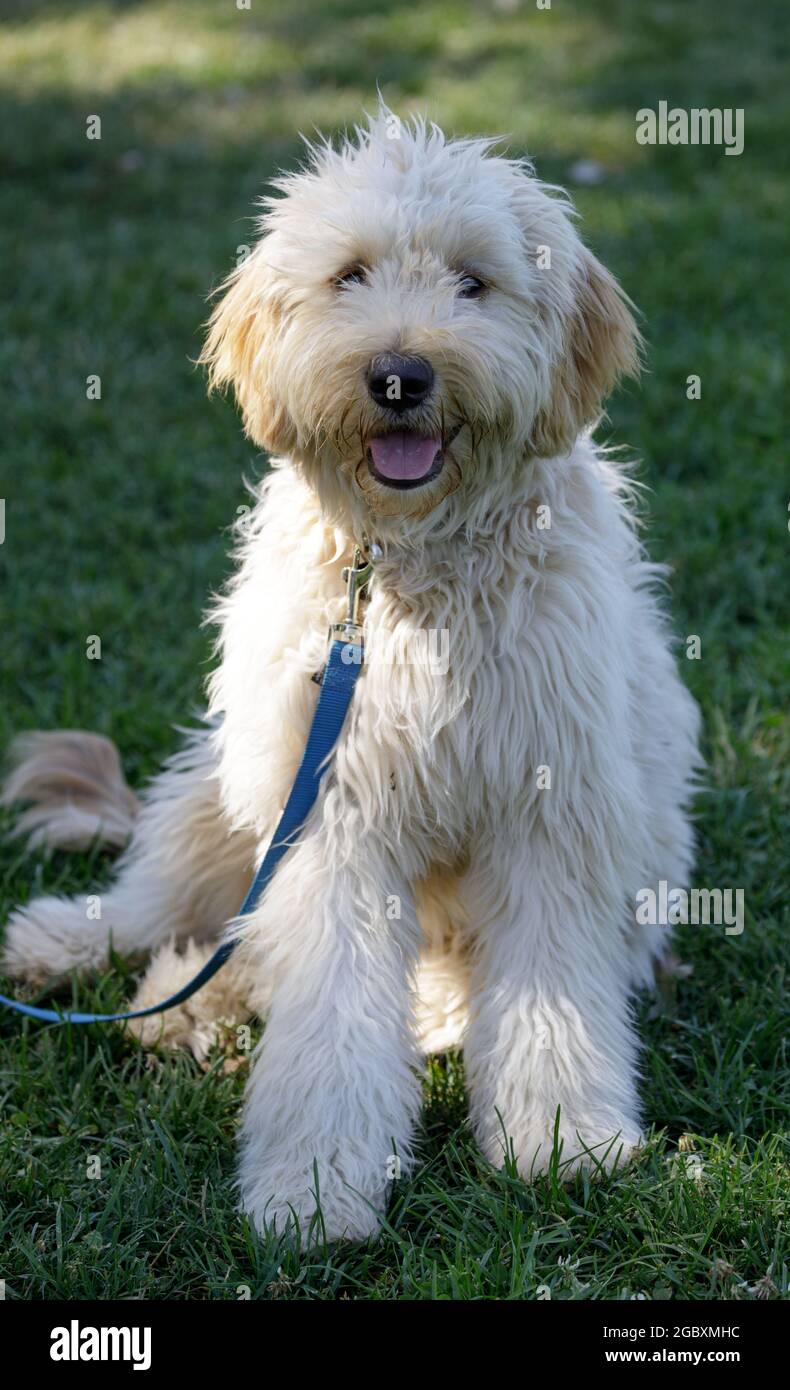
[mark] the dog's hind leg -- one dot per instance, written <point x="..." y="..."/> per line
<point x="183" y="874"/>
<point x="216" y="1010"/>
<point x="442" y="985"/>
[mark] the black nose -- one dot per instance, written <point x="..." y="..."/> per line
<point x="399" y="382"/>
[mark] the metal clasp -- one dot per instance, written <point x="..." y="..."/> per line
<point x="356" y="578"/>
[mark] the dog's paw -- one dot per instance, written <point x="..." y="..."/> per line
<point x="177" y="1028"/>
<point x="583" y="1145"/>
<point x="50" y="937"/>
<point x="202" y="1021"/>
<point x="281" y="1192"/>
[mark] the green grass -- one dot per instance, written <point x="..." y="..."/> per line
<point x="116" y="514"/>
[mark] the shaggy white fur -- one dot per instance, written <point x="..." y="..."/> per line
<point x="469" y="871"/>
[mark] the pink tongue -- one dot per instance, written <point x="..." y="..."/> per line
<point x="404" y="456"/>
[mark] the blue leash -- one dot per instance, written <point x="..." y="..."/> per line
<point x="343" y="666"/>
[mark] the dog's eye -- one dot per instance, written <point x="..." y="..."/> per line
<point x="352" y="275"/>
<point x="471" y="287"/>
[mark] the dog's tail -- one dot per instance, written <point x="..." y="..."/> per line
<point x="74" y="788"/>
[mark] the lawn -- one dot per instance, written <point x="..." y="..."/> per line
<point x="116" y="517"/>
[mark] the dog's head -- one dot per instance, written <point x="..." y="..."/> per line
<point x="418" y="318"/>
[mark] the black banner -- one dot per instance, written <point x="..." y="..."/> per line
<point x="182" y="1338"/>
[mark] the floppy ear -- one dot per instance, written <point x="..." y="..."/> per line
<point x="239" y="350"/>
<point x="601" y="344"/>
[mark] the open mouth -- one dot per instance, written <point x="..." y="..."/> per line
<point x="403" y="460"/>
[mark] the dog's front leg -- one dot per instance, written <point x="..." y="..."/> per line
<point x="550" y="1024"/>
<point x="333" y="1094"/>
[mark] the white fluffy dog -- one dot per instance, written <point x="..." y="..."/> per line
<point x="422" y="340"/>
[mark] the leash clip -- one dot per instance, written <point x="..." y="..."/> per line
<point x="356" y="578"/>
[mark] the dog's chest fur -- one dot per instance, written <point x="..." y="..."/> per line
<point x="493" y="662"/>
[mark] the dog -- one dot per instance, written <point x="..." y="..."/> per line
<point x="422" y="342"/>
